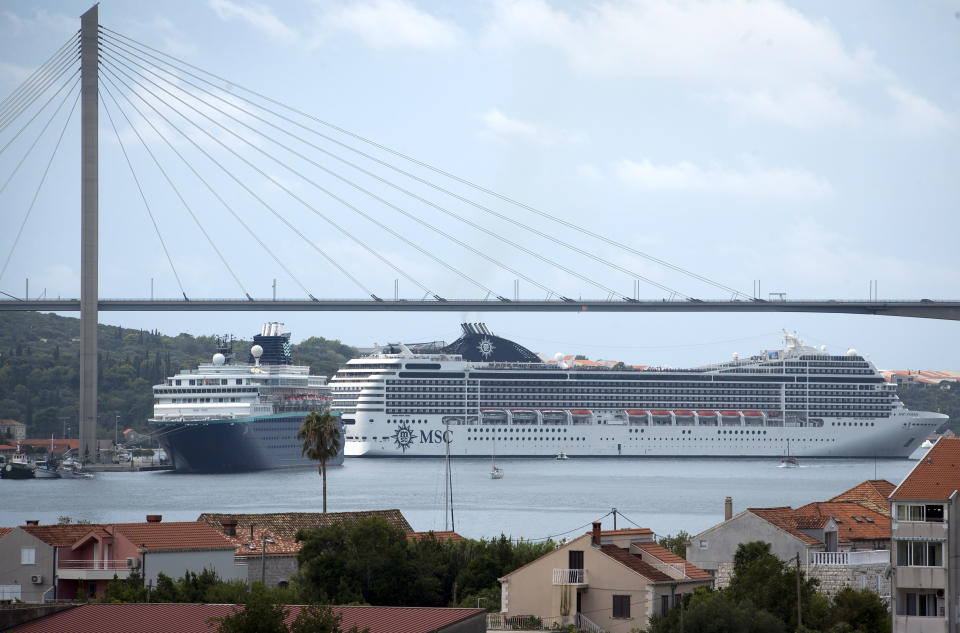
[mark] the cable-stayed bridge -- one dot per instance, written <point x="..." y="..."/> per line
<point x="215" y="146"/>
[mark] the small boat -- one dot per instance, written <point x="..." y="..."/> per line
<point x="788" y="460"/>
<point x="72" y="469"/>
<point x="561" y="455"/>
<point x="46" y="470"/>
<point x="19" y="467"/>
<point x="495" y="471"/>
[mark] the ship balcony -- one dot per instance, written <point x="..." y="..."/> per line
<point x="576" y="577"/>
<point x="93" y="569"/>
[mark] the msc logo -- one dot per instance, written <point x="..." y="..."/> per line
<point x="404" y="437"/>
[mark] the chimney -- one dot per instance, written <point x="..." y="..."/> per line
<point x="229" y="527"/>
<point x="596" y="533"/>
<point x="251" y="532"/>
<point x="33" y="522"/>
<point x="728" y="508"/>
<point x="154" y="518"/>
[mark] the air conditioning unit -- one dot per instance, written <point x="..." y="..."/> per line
<point x="36" y="579"/>
<point x="133" y="562"/>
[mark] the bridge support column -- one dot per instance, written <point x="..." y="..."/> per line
<point x="89" y="226"/>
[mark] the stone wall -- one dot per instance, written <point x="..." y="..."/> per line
<point x="278" y="569"/>
<point x="833" y="578"/>
<point x="724" y="574"/>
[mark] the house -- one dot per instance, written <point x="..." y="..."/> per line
<point x="926" y="537"/>
<point x="842" y="543"/>
<point x="193" y="618"/>
<point x="611" y="581"/>
<point x="78" y="560"/>
<point x="11" y="431"/>
<point x="266" y="543"/>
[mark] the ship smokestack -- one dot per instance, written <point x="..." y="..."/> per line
<point x="728" y="508"/>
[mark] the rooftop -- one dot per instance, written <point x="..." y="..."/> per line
<point x="854" y="521"/>
<point x="192" y="618"/>
<point x="872" y="494"/>
<point x="662" y="553"/>
<point x="785" y="518"/>
<point x="59" y="535"/>
<point x="173" y="535"/>
<point x="936" y="476"/>
<point x="440" y="535"/>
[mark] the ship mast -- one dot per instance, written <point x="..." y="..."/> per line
<point x="448" y="483"/>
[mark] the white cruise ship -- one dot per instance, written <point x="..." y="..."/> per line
<point x="484" y="394"/>
<point x="227" y="416"/>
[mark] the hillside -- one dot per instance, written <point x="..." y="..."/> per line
<point x="39" y="369"/>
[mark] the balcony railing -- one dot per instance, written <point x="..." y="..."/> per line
<point x="92" y="564"/>
<point x="857" y="557"/>
<point x="569" y="576"/>
<point x="502" y="622"/>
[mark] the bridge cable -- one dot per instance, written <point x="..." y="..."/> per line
<point x="212" y="190"/>
<point x="36" y="193"/>
<point x="74" y="39"/>
<point x="437" y="170"/>
<point x="22" y="103"/>
<point x="244" y="186"/>
<point x="305" y="158"/>
<point x="363" y="190"/>
<point x="278" y="184"/>
<point x="177" y="191"/>
<point x="144" y="198"/>
<point x="39" y="136"/>
<point x="37" y="113"/>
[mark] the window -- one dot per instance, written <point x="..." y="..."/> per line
<point x="916" y="603"/>
<point x="664" y="604"/>
<point x="91" y="590"/>
<point x="919" y="554"/>
<point x="703" y="544"/>
<point x="621" y="606"/>
<point x="28" y="556"/>
<point x="928" y="513"/>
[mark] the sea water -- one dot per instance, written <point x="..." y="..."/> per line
<point x="537" y="498"/>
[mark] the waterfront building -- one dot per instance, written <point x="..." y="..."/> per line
<point x="925" y="534"/>
<point x="11" y="431"/>
<point x="608" y="581"/>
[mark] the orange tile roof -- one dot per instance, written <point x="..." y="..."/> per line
<point x="9" y="422"/>
<point x="286" y="524"/>
<point x="635" y="563"/>
<point x="662" y="553"/>
<point x="630" y="531"/>
<point x="873" y="494"/>
<point x="59" y="535"/>
<point x="192" y="618"/>
<point x="936" y="476"/>
<point x="786" y="519"/>
<point x="848" y="527"/>
<point x="440" y="535"/>
<point x="5" y="530"/>
<point x="59" y="446"/>
<point x="173" y="535"/>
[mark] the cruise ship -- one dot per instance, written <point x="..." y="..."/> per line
<point x="484" y="395"/>
<point x="228" y="416"/>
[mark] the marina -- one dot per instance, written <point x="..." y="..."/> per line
<point x="536" y="498"/>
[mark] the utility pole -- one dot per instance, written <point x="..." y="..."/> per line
<point x="799" y="609"/>
<point x="89" y="226"/>
<point x="614" y="511"/>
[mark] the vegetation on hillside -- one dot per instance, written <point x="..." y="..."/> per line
<point x="39" y="370"/>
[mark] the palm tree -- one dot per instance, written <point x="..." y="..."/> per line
<point x="320" y="435"/>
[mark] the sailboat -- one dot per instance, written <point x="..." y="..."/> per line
<point x="495" y="471"/>
<point x="789" y="461"/>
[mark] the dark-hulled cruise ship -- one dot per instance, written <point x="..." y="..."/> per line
<point x="484" y="395"/>
<point x="226" y="416"/>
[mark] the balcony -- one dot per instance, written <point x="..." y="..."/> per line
<point x="92" y="569"/>
<point x="845" y="559"/>
<point x="570" y="577"/>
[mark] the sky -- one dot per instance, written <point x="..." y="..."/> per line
<point x="810" y="148"/>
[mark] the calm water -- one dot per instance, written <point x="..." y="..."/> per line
<point x="536" y="498"/>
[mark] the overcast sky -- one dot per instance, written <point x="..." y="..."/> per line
<point x="811" y="146"/>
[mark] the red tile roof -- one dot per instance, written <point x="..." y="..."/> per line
<point x="58" y="535"/>
<point x="662" y="553"/>
<point x="173" y="535"/>
<point x="935" y="476"/>
<point x="628" y="531"/>
<point x="440" y="535"/>
<point x="868" y="524"/>
<point x="635" y="563"/>
<point x="4" y="531"/>
<point x="59" y="446"/>
<point x="192" y="618"/>
<point x="872" y="494"/>
<point x="786" y="519"/>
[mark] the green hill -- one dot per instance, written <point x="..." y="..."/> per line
<point x="39" y="369"/>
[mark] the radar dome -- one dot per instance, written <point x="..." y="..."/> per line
<point x="851" y="352"/>
<point x="256" y="351"/>
<point x="823" y="348"/>
<point x="558" y="356"/>
<point x="736" y="356"/>
<point x="219" y="359"/>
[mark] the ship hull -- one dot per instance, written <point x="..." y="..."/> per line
<point x="237" y="445"/>
<point x="427" y="436"/>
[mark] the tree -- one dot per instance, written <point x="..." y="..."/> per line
<point x="676" y="544"/>
<point x="320" y="435"/>
<point x="259" y="615"/>
<point x="320" y="619"/>
<point x="861" y="610"/>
